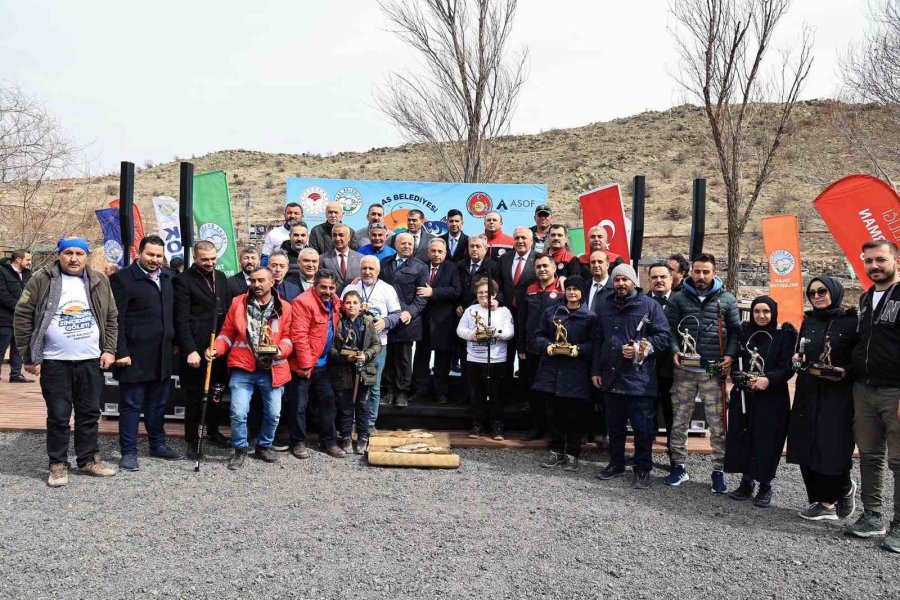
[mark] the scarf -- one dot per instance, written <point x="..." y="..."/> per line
<point x="257" y="317"/>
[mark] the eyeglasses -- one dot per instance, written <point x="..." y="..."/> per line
<point x="817" y="292"/>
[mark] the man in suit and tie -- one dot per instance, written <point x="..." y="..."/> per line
<point x="309" y="266"/>
<point x="278" y="265"/>
<point x="407" y="274"/>
<point x="457" y="241"/>
<point x="660" y="275"/>
<point x="517" y="273"/>
<point x="601" y="288"/>
<point x="415" y="221"/>
<point x="239" y="283"/>
<point x="438" y="318"/>
<point x="341" y="260"/>
<point x="477" y="265"/>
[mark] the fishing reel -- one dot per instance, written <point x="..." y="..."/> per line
<point x="218" y="392"/>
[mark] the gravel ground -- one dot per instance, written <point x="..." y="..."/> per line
<point x="499" y="527"/>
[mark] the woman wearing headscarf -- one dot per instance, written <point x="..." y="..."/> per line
<point x="760" y="407"/>
<point x="820" y="436"/>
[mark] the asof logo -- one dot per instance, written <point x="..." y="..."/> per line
<point x="213" y="233"/>
<point x="351" y="200"/>
<point x="313" y="200"/>
<point x="113" y="251"/>
<point x="479" y="204"/>
<point x="782" y="262"/>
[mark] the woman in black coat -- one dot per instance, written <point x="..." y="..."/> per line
<point x="820" y="437"/>
<point x="756" y="438"/>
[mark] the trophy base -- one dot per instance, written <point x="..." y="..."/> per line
<point x="484" y="337"/>
<point x="266" y="356"/>
<point x="692" y="362"/>
<point x="820" y="371"/>
<point x="348" y="353"/>
<point x="567" y="350"/>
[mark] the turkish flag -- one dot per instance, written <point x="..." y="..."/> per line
<point x="138" y="227"/>
<point x="858" y="209"/>
<point x="603" y="207"/>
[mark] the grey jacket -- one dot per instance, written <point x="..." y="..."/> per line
<point x="40" y="300"/>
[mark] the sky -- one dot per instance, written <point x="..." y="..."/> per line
<point x="154" y="80"/>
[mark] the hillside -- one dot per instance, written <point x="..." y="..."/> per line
<point x="670" y="148"/>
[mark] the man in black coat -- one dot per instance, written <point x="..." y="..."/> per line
<point x="199" y="292"/>
<point x="660" y="275"/>
<point x="239" y="283"/>
<point x="517" y="273"/>
<point x="14" y="274"/>
<point x="600" y="288"/>
<point x="406" y="273"/>
<point x="438" y="323"/>
<point x="145" y="300"/>
<point x="476" y="266"/>
<point x="457" y="241"/>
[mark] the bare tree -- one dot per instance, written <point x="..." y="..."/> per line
<point x="724" y="47"/>
<point x="871" y="74"/>
<point x="467" y="96"/>
<point x="33" y="150"/>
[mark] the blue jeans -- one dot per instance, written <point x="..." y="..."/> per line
<point x="15" y="359"/>
<point x="347" y="410"/>
<point x="375" y="390"/>
<point x="640" y="410"/>
<point x="242" y="384"/>
<point x="151" y="397"/>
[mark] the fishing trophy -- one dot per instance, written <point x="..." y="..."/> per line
<point x="690" y="357"/>
<point x="266" y="350"/>
<point x="823" y="367"/>
<point x="561" y="346"/>
<point x="483" y="333"/>
<point x="348" y="345"/>
<point x="744" y="379"/>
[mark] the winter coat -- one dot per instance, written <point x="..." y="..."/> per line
<point x="526" y="277"/>
<point x="341" y="368"/>
<point x="320" y="238"/>
<point x="687" y="303"/>
<point x="11" y="287"/>
<point x="616" y="326"/>
<point x="233" y="339"/>
<point x="877" y="355"/>
<point x="820" y="435"/>
<point x="146" y="324"/>
<point x="532" y="304"/>
<point x="439" y="317"/>
<point x="566" y="376"/>
<point x="309" y="328"/>
<point x="194" y="308"/>
<point x="486" y="268"/>
<point x="40" y="300"/>
<point x="413" y="274"/>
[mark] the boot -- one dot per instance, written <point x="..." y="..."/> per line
<point x="237" y="459"/>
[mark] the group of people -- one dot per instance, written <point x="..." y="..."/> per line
<point x="329" y="316"/>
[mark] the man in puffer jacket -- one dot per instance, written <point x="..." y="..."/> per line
<point x="700" y="309"/>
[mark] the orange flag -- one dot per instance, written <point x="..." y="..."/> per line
<point x="781" y="237"/>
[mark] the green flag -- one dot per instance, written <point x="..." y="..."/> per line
<point x="576" y="240"/>
<point x="212" y="216"/>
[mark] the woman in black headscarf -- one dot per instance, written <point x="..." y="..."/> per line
<point x="820" y="437"/>
<point x="760" y="407"/>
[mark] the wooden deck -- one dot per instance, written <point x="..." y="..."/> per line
<point x="22" y="408"/>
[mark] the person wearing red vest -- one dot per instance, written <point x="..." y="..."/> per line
<point x="566" y="263"/>
<point x="255" y="321"/>
<point x="316" y="313"/>
<point x="498" y="243"/>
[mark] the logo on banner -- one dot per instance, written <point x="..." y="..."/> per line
<point x="313" y="200"/>
<point x="437" y="228"/>
<point x="113" y="251"/>
<point x="782" y="262"/>
<point x="479" y="204"/>
<point x="212" y="232"/>
<point x="351" y="200"/>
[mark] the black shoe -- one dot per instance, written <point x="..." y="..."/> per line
<point x="387" y="398"/>
<point x="847" y="504"/>
<point x="763" y="497"/>
<point x="360" y="446"/>
<point x="20" y="379"/>
<point x="237" y="459"/>
<point x="743" y="491"/>
<point x="641" y="480"/>
<point x="266" y="454"/>
<point x="402" y="399"/>
<point x="611" y="471"/>
<point x="603" y="444"/>
<point x="165" y="453"/>
<point x="534" y="435"/>
<point x="497" y="428"/>
<point x="217" y="439"/>
<point x="475" y="432"/>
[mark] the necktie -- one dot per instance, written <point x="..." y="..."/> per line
<point x="473" y="268"/>
<point x="594" y="295"/>
<point x="452" y="246"/>
<point x="343" y="266"/>
<point x="433" y="273"/>
<point x="415" y="242"/>
<point x="400" y="262"/>
<point x="518" y="274"/>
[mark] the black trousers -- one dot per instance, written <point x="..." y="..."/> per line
<point x="192" y="381"/>
<point x="825" y="488"/>
<point x="485" y="408"/>
<point x="594" y="414"/>
<point x="319" y="387"/>
<point x="397" y="376"/>
<point x="421" y="379"/>
<point x="537" y="402"/>
<point x="664" y="405"/>
<point x="68" y="384"/>
<point x="567" y="426"/>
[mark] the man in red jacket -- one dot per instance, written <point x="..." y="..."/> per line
<point x="255" y="322"/>
<point x="315" y="313"/>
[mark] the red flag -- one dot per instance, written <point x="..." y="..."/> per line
<point x="603" y="207"/>
<point x="857" y="209"/>
<point x="138" y="227"/>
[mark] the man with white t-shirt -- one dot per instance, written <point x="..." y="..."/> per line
<point x="380" y="300"/>
<point x="66" y="329"/>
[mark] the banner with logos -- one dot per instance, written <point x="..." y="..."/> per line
<point x="857" y="209"/>
<point x="112" y="234"/>
<point x="603" y="207"/>
<point x="212" y="216"/>
<point x="515" y="202"/>
<point x="168" y="228"/>
<point x="781" y="238"/>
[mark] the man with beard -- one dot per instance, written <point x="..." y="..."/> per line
<point x="293" y="213"/>
<point x="543" y="219"/>
<point x="567" y="263"/>
<point x="239" y="283"/>
<point x="320" y="236"/>
<point x="375" y="214"/>
<point x="597" y="240"/>
<point x="457" y="241"/>
<point x="199" y="291"/>
<point x="700" y="309"/>
<point x="278" y="265"/>
<point x="660" y="276"/>
<point x="309" y="266"/>
<point x="377" y="246"/>
<point x="876" y="392"/>
<point x="292" y="248"/>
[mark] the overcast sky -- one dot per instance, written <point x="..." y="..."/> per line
<point x="156" y="79"/>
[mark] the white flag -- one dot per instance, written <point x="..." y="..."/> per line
<point x="166" y="209"/>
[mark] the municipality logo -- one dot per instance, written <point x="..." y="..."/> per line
<point x="479" y="204"/>
<point x="313" y="200"/>
<point x="212" y="232"/>
<point x="113" y="251"/>
<point x="782" y="262"/>
<point x="351" y="200"/>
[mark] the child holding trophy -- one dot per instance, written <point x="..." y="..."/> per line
<point x="486" y="327"/>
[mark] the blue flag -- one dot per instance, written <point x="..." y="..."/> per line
<point x="112" y="235"/>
